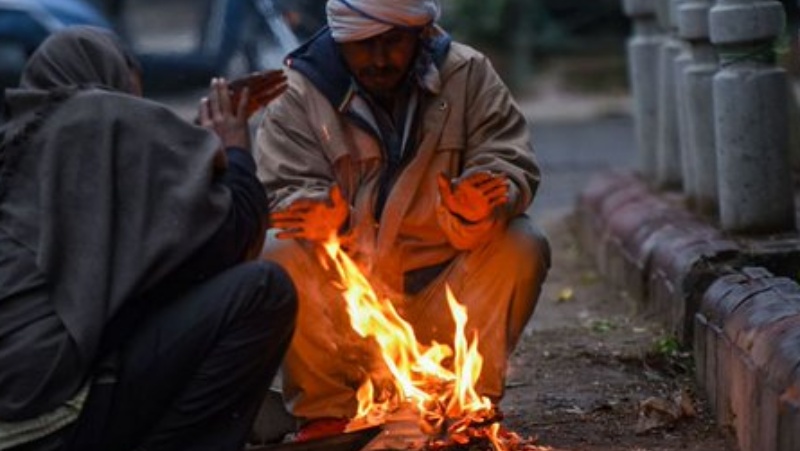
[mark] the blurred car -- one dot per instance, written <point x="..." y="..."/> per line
<point x="186" y="42"/>
<point x="181" y="43"/>
<point x="26" y="23"/>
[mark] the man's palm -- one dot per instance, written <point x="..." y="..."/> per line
<point x="312" y="219"/>
<point x="474" y="197"/>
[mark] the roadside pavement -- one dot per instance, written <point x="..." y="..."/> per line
<point x="594" y="370"/>
<point x="731" y="301"/>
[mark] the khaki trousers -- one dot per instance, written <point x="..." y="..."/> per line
<point x="327" y="361"/>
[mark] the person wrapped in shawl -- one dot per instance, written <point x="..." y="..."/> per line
<point x="129" y="317"/>
<point x="409" y="147"/>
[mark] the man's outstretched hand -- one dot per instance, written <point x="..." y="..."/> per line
<point x="312" y="219"/>
<point x="262" y="87"/>
<point x="226" y="118"/>
<point x="473" y="198"/>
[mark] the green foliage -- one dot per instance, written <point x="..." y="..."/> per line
<point x="668" y="346"/>
<point x="477" y="21"/>
<point x="602" y="326"/>
<point x="480" y="20"/>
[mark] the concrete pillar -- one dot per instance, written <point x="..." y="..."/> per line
<point x="751" y="118"/>
<point x="699" y="105"/>
<point x="669" y="173"/>
<point x="643" y="56"/>
<point x="681" y="62"/>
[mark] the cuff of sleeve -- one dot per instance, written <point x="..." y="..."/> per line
<point x="515" y="205"/>
<point x="241" y="157"/>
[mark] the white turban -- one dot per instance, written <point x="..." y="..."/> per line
<point x="353" y="20"/>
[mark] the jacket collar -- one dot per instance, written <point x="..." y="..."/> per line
<point x="319" y="60"/>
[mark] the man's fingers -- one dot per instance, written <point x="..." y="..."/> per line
<point x="303" y="205"/>
<point x="491" y="184"/>
<point x="265" y="96"/>
<point x="289" y="214"/>
<point x="337" y="198"/>
<point x="487" y="179"/>
<point x="446" y="191"/>
<point x="244" y="99"/>
<point x="260" y="99"/>
<point x="285" y="224"/>
<point x="270" y="78"/>
<point x="498" y="199"/>
<point x="493" y="191"/>
<point x="205" y="118"/>
<point x="224" y="97"/>
<point x="275" y="74"/>
<point x="444" y="185"/>
<point x="478" y="178"/>
<point x="286" y="215"/>
<point x="262" y="82"/>
<point x="289" y="234"/>
<point x="214" y="100"/>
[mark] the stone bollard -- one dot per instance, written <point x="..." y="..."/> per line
<point x="643" y="51"/>
<point x="679" y="65"/>
<point x="751" y="118"/>
<point x="699" y="105"/>
<point x="669" y="168"/>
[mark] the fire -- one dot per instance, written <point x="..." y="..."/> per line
<point x="439" y="381"/>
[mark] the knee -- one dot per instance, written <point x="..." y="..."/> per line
<point x="528" y="243"/>
<point x="279" y="290"/>
<point x="289" y="254"/>
<point x="274" y="295"/>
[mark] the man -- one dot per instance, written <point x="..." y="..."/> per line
<point x="128" y="318"/>
<point x="409" y="147"/>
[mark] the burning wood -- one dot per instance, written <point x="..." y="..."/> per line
<point x="483" y="443"/>
<point x="437" y="380"/>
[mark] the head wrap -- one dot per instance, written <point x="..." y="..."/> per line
<point x="354" y="20"/>
<point x="80" y="56"/>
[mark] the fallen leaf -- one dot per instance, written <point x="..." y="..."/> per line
<point x="589" y="278"/>
<point x="656" y="413"/>
<point x="567" y="294"/>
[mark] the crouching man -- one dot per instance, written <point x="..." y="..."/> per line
<point x="409" y="146"/>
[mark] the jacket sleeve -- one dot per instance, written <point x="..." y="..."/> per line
<point x="242" y="233"/>
<point x="498" y="136"/>
<point x="291" y="163"/>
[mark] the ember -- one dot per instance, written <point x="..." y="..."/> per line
<point x="437" y="380"/>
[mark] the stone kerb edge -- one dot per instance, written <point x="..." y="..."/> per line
<point x="747" y="351"/>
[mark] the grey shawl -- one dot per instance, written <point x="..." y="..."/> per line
<point x="102" y="196"/>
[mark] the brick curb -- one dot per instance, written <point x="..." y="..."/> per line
<point x="742" y="320"/>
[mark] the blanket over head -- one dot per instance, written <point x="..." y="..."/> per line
<point x="102" y="195"/>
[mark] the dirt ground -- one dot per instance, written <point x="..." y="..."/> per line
<point x="590" y="374"/>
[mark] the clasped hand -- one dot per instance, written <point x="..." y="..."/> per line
<point x="312" y="219"/>
<point x="473" y="198"/>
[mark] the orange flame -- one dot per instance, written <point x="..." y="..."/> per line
<point x="419" y="373"/>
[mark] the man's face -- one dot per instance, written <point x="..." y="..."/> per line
<point x="380" y="63"/>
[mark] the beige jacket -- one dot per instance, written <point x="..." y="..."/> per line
<point x="305" y="144"/>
